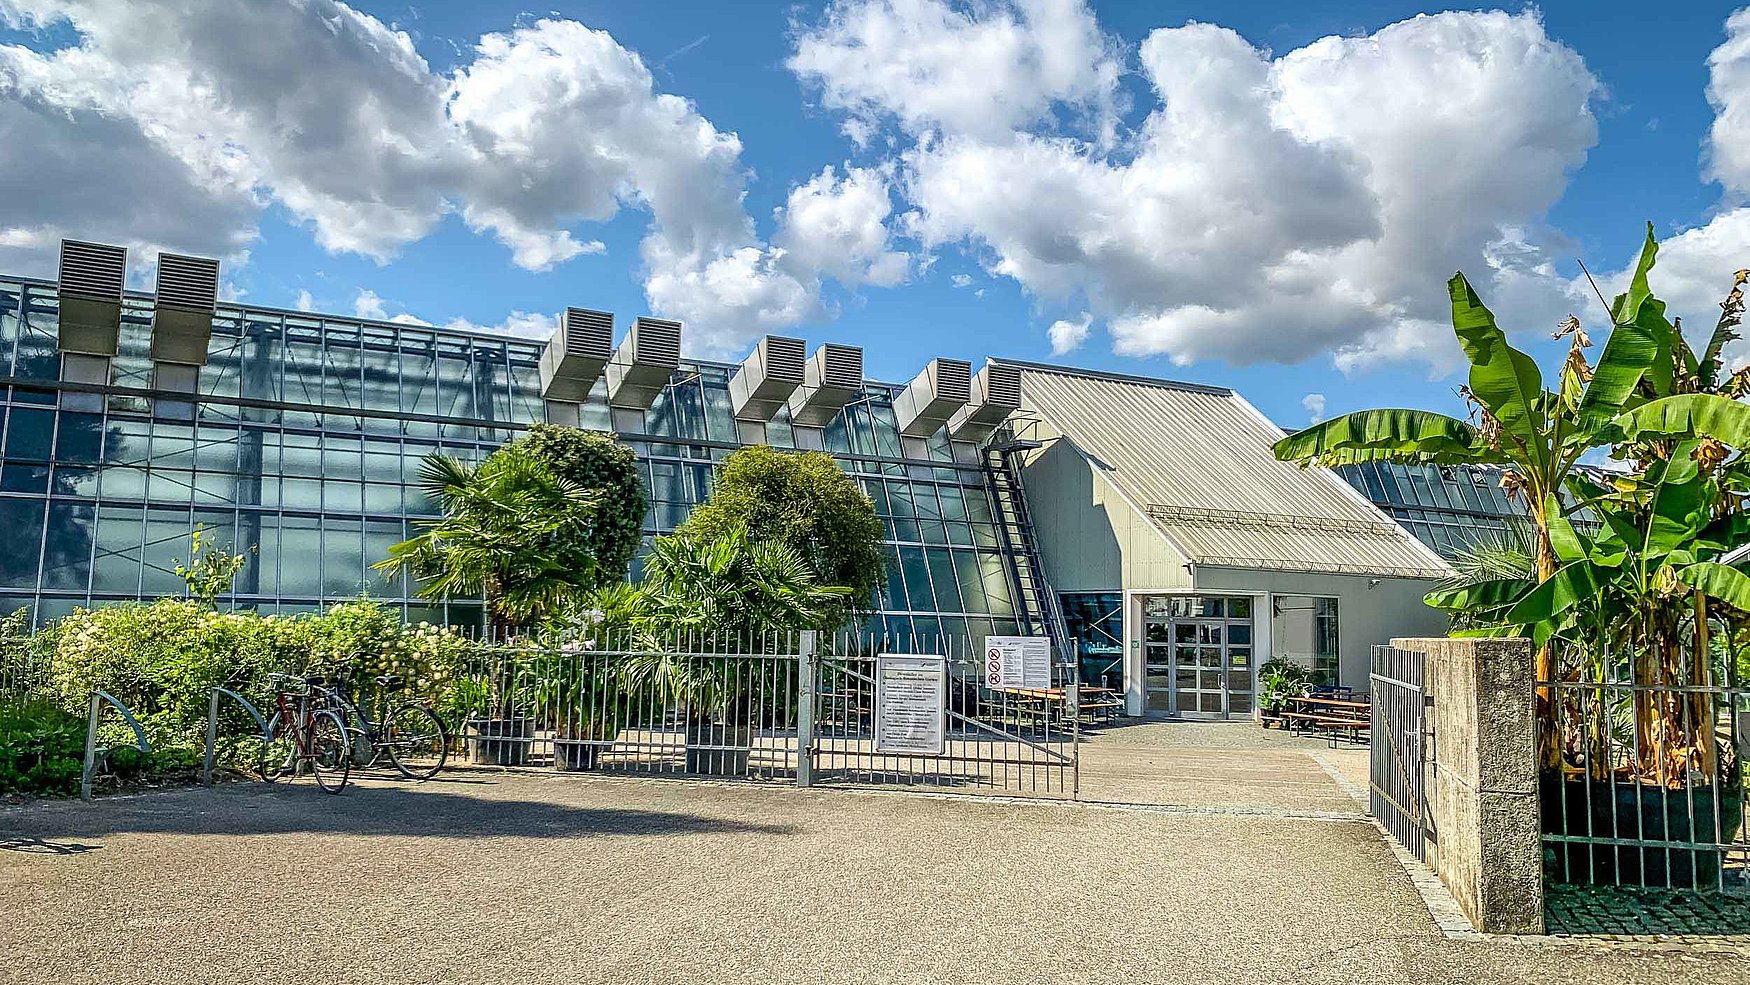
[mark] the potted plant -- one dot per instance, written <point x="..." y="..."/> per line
<point x="1279" y="680"/>
<point x="503" y="734"/>
<point x="580" y="694"/>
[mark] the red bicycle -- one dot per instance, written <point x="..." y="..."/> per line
<point x="305" y="729"/>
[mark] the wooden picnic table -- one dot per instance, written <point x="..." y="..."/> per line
<point x="1334" y="703"/>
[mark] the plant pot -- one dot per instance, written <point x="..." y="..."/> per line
<point x="718" y="749"/>
<point x="501" y="741"/>
<point x="1581" y="807"/>
<point x="576" y="755"/>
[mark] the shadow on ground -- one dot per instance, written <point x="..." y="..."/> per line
<point x="424" y="811"/>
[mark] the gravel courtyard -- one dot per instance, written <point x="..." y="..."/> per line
<point x="524" y="878"/>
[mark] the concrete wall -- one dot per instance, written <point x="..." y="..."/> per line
<point x="1483" y="795"/>
<point x="1366" y="616"/>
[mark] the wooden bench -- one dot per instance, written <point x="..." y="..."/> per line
<point x="1336" y="717"/>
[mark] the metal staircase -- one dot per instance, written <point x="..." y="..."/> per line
<point x="1037" y="607"/>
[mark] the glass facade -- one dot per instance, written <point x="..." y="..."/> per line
<point x="304" y="442"/>
<point x="1449" y="508"/>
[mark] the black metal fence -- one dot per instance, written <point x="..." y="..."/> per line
<point x="1650" y="790"/>
<point x="1397" y="768"/>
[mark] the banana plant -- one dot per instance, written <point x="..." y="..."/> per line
<point x="1653" y="581"/>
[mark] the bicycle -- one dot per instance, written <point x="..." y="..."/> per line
<point x="412" y="735"/>
<point x="303" y="730"/>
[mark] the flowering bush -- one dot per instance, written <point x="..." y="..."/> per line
<point x="163" y="659"/>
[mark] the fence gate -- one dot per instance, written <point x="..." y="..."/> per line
<point x="1396" y="768"/>
<point x="1007" y="741"/>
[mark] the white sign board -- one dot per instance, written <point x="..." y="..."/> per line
<point x="1017" y="661"/>
<point x="911" y="704"/>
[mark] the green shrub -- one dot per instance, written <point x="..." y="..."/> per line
<point x="804" y="501"/>
<point x="596" y="461"/>
<point x="42" y="748"/>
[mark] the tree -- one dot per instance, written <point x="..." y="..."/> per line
<point x="722" y="594"/>
<point x="807" y="503"/>
<point x="596" y="461"/>
<point x="513" y="533"/>
<point x="1651" y="585"/>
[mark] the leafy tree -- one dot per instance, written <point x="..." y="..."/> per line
<point x="807" y="503"/>
<point x="596" y="461"/>
<point x="513" y="533"/>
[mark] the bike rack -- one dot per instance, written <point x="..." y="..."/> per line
<point x="213" y="727"/>
<point x="98" y="699"/>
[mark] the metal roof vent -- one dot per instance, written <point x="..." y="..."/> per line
<point x="933" y="396"/>
<point x="91" y="280"/>
<point x="767" y="377"/>
<point x="576" y="354"/>
<point x="996" y="393"/>
<point x="833" y="376"/>
<point x="643" y="363"/>
<point x="182" y="320"/>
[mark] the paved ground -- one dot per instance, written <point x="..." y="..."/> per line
<point x="530" y="878"/>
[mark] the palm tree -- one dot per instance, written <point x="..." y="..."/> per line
<point x="512" y="533"/>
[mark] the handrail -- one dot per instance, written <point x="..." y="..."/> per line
<point x="98" y="698"/>
<point x="213" y="727"/>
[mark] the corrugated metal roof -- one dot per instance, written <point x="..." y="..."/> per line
<point x="1197" y="461"/>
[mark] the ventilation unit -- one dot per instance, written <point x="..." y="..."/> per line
<point x="182" y="320"/>
<point x="92" y="275"/>
<point x="576" y="354"/>
<point x="643" y="363"/>
<point x="767" y="378"/>
<point x="941" y="389"/>
<point x="833" y="376"/>
<point x="996" y="393"/>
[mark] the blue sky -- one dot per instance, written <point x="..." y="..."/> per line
<point x="1600" y="121"/>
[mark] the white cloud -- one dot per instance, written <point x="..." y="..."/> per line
<point x="1728" y="91"/>
<point x="961" y="280"/>
<point x="369" y="305"/>
<point x="984" y="69"/>
<point x="1314" y="404"/>
<point x="1269" y="208"/>
<point x="838" y="227"/>
<point x="1068" y="334"/>
<point x="519" y="323"/>
<point x="1696" y="265"/>
<point x="305" y="301"/>
<point x="207" y="110"/>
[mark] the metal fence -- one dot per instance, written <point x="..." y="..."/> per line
<point x="1651" y="788"/>
<point x="783" y="707"/>
<point x="1397" y="767"/>
<point x="1018" y="741"/>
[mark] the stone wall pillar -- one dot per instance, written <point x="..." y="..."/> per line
<point x="1483" y="794"/>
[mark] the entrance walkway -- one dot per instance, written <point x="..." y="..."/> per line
<point x="538" y="878"/>
<point x="1219" y="765"/>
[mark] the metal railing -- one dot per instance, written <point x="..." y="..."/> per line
<point x="788" y="707"/>
<point x="1651" y="789"/>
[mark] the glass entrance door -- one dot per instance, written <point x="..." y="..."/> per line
<point x="1198" y="655"/>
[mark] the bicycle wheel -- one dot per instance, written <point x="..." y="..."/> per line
<point x="277" y="756"/>
<point x="417" y="742"/>
<point x="330" y="755"/>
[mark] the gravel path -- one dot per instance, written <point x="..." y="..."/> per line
<point x="530" y="878"/>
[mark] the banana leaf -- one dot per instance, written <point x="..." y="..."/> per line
<point x="1503" y="379"/>
<point x="1689" y="415"/>
<point x="1718" y="581"/>
<point x="1542" y="607"/>
<point x="1639" y="345"/>
<point x="1480" y="597"/>
<point x="1416" y="436"/>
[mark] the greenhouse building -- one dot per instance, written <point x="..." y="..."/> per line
<point x="1141" y="524"/>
